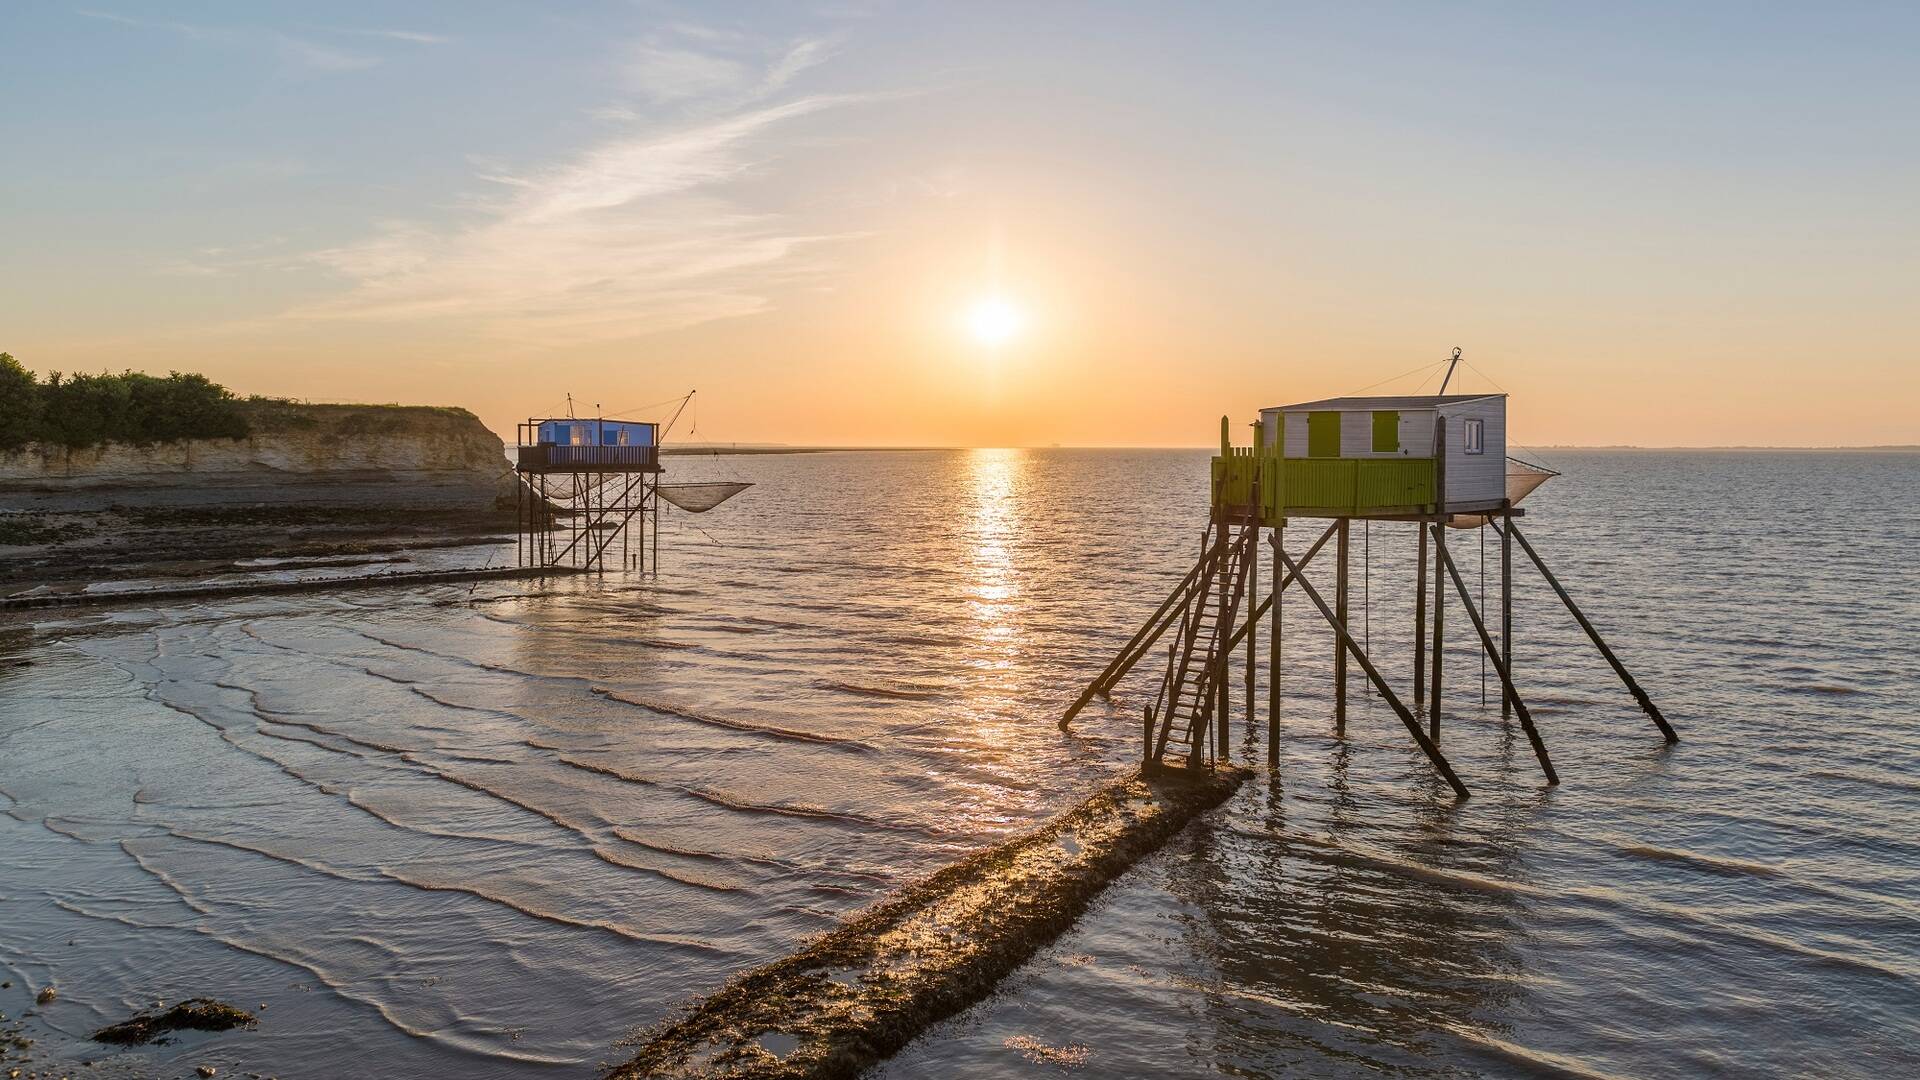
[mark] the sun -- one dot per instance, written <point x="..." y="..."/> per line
<point x="993" y="321"/>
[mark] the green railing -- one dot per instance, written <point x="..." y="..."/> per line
<point x="1321" y="487"/>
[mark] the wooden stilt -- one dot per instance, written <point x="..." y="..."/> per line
<point x="1420" y="619"/>
<point x="1340" y="632"/>
<point x="1273" y="658"/>
<point x="1253" y="625"/>
<point x="1427" y="745"/>
<point x="1266" y="605"/>
<point x="1439" y="628"/>
<point x="1224" y="589"/>
<point x="1499" y="663"/>
<point x="1620" y="669"/>
<point x="1506" y="610"/>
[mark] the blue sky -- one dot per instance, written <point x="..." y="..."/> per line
<point x="1622" y="210"/>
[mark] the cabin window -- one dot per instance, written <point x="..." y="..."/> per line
<point x="1386" y="432"/>
<point x="1323" y="434"/>
<point x="576" y="434"/>
<point x="623" y="437"/>
<point x="1472" y="438"/>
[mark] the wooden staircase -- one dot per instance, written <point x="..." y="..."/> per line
<point x="1187" y="706"/>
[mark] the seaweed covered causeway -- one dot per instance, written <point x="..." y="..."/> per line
<point x="860" y="993"/>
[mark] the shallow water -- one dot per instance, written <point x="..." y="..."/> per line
<point x="468" y="830"/>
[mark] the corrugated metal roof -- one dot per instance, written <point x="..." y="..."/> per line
<point x="1368" y="404"/>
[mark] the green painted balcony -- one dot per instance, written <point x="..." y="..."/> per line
<point x="1321" y="487"/>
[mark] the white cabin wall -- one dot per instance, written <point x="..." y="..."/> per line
<point x="1356" y="433"/>
<point x="1270" y="425"/>
<point x="1296" y="435"/>
<point x="1477" y="478"/>
<point x="1416" y="434"/>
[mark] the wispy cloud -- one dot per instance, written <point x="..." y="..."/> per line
<point x="637" y="233"/>
<point x="414" y="36"/>
<point x="302" y="52"/>
<point x="665" y="73"/>
<point x="687" y="63"/>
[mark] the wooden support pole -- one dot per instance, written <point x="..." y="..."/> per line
<point x="1620" y="669"/>
<point x="1359" y="655"/>
<point x="1500" y="665"/>
<point x="1222" y="589"/>
<point x="1340" y="591"/>
<point x="1273" y="657"/>
<point x="1420" y="619"/>
<point x="1253" y="625"/>
<point x="1439" y="627"/>
<point x="1506" y="609"/>
<point x="1280" y="584"/>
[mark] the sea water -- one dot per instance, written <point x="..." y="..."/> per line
<point x="489" y="830"/>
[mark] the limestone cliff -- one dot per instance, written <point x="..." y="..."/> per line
<point x="360" y="455"/>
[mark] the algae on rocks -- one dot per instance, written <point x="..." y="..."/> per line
<point x="860" y="993"/>
<point x="194" y="1014"/>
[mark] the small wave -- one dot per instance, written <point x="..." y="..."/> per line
<point x="1396" y="865"/>
<point x="1826" y="689"/>
<point x="672" y="875"/>
<point x="733" y="725"/>
<point x="343" y="988"/>
<point x="1538" y="1062"/>
<point x="863" y="690"/>
<point x="1717" y="864"/>
<point x="729" y="801"/>
<point x="787" y="866"/>
<point x="1889" y="783"/>
<point x="377" y="872"/>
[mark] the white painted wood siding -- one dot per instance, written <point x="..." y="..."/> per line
<point x="1356" y="433"/>
<point x="1482" y="477"/>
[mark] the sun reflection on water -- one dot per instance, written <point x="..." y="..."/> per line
<point x="993" y="482"/>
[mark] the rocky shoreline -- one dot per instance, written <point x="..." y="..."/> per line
<point x="311" y="486"/>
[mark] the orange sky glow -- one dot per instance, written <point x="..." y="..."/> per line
<point x="933" y="228"/>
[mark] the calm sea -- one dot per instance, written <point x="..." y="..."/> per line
<point x="481" y="832"/>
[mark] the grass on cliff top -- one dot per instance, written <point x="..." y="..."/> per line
<point x="79" y="411"/>
<point x="265" y="414"/>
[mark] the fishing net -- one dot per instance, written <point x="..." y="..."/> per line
<point x="700" y="498"/>
<point x="1522" y="478"/>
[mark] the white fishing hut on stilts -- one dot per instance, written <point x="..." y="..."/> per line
<point x="1432" y="462"/>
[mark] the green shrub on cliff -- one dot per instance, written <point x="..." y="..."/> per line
<point x="19" y="403"/>
<point x="131" y="407"/>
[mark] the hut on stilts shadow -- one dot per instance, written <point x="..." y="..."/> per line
<point x="1434" y="462"/>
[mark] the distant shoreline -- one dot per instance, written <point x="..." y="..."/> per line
<point x="729" y="451"/>
<point x="746" y="450"/>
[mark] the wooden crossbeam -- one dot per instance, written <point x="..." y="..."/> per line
<point x="1281" y="584"/>
<point x="1499" y="665"/>
<point x="1360" y="657"/>
<point x="1620" y="669"/>
<point x="1141" y="641"/>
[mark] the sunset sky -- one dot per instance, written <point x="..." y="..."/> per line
<point x="980" y="224"/>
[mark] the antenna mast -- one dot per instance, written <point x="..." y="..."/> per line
<point x="1454" y="363"/>
<point x="676" y="414"/>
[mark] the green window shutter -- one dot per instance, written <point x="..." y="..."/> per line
<point x="1386" y="433"/>
<point x="1323" y="434"/>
